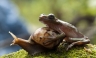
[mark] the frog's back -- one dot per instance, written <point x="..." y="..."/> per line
<point x="69" y="29"/>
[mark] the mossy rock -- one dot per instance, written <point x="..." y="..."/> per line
<point x="75" y="52"/>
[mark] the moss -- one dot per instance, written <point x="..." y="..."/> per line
<point x="75" y="52"/>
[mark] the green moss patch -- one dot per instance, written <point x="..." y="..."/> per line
<point x="75" y="52"/>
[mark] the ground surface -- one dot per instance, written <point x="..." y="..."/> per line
<point x="75" y="52"/>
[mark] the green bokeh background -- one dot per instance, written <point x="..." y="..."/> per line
<point x="62" y="9"/>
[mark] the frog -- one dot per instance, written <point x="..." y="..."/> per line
<point x="72" y="37"/>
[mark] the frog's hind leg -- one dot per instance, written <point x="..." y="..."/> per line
<point x="82" y="42"/>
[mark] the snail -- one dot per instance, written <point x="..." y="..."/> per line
<point x="43" y="39"/>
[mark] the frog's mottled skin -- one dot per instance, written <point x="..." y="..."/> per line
<point x="73" y="36"/>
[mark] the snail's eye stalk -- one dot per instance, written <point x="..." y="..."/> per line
<point x="51" y="16"/>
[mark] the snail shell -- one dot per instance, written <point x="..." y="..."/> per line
<point x="44" y="34"/>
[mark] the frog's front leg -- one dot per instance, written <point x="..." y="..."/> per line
<point x="78" y="41"/>
<point x="53" y="39"/>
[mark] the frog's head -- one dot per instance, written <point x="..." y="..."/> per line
<point x="47" y="18"/>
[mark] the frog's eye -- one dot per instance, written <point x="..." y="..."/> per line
<point x="51" y="16"/>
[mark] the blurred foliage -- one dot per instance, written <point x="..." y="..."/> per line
<point x="66" y="10"/>
<point x="31" y="9"/>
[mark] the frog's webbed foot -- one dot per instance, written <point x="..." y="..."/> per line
<point x="85" y="41"/>
<point x="70" y="46"/>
